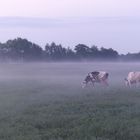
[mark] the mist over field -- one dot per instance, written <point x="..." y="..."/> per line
<point x="63" y="73"/>
<point x="41" y="101"/>
<point x="72" y="72"/>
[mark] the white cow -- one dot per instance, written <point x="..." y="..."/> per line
<point x="132" y="78"/>
<point x="96" y="77"/>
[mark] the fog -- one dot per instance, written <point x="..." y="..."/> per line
<point x="61" y="74"/>
<point x="33" y="84"/>
<point x="37" y="98"/>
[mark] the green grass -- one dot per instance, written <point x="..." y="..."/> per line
<point x="46" y="106"/>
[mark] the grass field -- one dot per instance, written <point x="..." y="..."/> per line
<point x="46" y="102"/>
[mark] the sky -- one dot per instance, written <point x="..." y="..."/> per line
<point x="105" y="23"/>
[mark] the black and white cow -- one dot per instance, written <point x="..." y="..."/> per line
<point x="96" y="77"/>
<point x="132" y="78"/>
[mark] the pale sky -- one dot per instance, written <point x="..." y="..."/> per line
<point x="69" y="8"/>
<point x="107" y="23"/>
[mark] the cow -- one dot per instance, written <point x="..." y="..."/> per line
<point x="132" y="78"/>
<point x="96" y="77"/>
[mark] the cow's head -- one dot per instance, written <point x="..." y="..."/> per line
<point x="87" y="80"/>
<point x="126" y="82"/>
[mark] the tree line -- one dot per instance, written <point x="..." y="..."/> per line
<point x="23" y="50"/>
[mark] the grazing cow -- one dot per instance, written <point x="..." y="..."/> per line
<point x="96" y="77"/>
<point x="132" y="78"/>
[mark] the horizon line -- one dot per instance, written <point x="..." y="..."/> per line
<point x="99" y="47"/>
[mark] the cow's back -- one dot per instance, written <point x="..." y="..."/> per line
<point x="103" y="74"/>
<point x="134" y="76"/>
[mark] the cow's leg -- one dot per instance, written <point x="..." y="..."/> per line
<point x="92" y="82"/>
<point x="137" y="83"/>
<point x="129" y="84"/>
<point x="105" y="83"/>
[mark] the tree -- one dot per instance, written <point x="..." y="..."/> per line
<point x="108" y="53"/>
<point x="23" y="49"/>
<point x="82" y="51"/>
<point x="55" y="52"/>
<point x="70" y="55"/>
<point x="94" y="52"/>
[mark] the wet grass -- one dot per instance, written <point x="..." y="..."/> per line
<point x="48" y="106"/>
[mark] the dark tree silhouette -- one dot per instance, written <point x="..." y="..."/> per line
<point x="23" y="50"/>
<point x="82" y="51"/>
<point x="109" y="53"/>
<point x="94" y="52"/>
<point x="55" y="52"/>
